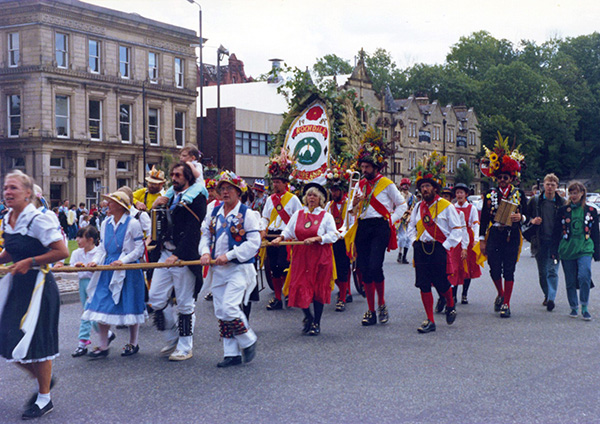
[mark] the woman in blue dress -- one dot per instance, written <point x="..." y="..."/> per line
<point x="117" y="297"/>
<point x="29" y="296"/>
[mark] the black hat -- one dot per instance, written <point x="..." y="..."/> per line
<point x="462" y="187"/>
<point x="318" y="187"/>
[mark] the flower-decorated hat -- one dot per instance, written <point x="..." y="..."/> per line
<point x="501" y="160"/>
<point x="156" y="176"/>
<point x="432" y="169"/>
<point x="405" y="181"/>
<point x="259" y="185"/>
<point x="373" y="150"/>
<point x="281" y="166"/>
<point x="211" y="184"/>
<point x="230" y="178"/>
<point x="337" y="177"/>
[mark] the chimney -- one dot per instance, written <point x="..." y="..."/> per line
<point x="276" y="71"/>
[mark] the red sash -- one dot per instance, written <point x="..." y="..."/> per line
<point x="380" y="209"/>
<point x="276" y="199"/>
<point x="337" y="213"/>
<point x="430" y="225"/>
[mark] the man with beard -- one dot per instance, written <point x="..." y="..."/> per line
<point x="181" y="244"/>
<point x="144" y="197"/>
<point x="435" y="227"/>
<point x="377" y="204"/>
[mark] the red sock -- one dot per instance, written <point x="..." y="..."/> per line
<point x="498" y="284"/>
<point x="278" y="286"/>
<point x="343" y="285"/>
<point x="508" y="288"/>
<point x="427" y="299"/>
<point x="370" y="292"/>
<point x="380" y="287"/>
<point x="449" y="298"/>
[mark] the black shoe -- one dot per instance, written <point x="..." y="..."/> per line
<point x="33" y="397"/>
<point x="349" y="298"/>
<point x="307" y="322"/>
<point x="80" y="351"/>
<point x="274" y="304"/>
<point x="464" y="300"/>
<point x="230" y="361"/>
<point x="340" y="306"/>
<point x="505" y="311"/>
<point x="369" y="318"/>
<point x="249" y="352"/>
<point x="439" y="307"/>
<point x="208" y="296"/>
<point x="399" y="259"/>
<point x="550" y="306"/>
<point x="383" y="315"/>
<point x="130" y="349"/>
<point x="97" y="353"/>
<point x="450" y="315"/>
<point x="498" y="303"/>
<point x="111" y="339"/>
<point x="35" y="412"/>
<point x="426" y="327"/>
<point x="545" y="302"/>
<point x="404" y="261"/>
<point x="315" y="329"/>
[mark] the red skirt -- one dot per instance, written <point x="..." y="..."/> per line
<point x="311" y="271"/>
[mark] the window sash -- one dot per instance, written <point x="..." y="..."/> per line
<point x="154" y="126"/>
<point x="95" y="119"/>
<point x="124" y="62"/>
<point x="94" y="56"/>
<point x="61" y="50"/>
<point x="178" y="72"/>
<point x="14" y="114"/>
<point x="13" y="49"/>
<point x="153" y="66"/>
<point x="179" y="129"/>
<point x="62" y="104"/>
<point x="125" y="122"/>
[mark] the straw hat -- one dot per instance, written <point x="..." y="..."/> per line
<point x="156" y="176"/>
<point x="120" y="198"/>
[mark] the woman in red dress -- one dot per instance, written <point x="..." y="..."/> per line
<point x="311" y="267"/>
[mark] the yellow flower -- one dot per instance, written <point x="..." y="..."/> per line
<point x="493" y="157"/>
<point x="495" y="165"/>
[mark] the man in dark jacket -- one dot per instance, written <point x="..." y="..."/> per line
<point x="181" y="244"/>
<point x="541" y="212"/>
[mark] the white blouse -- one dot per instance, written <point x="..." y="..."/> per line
<point x="43" y="227"/>
<point x="327" y="229"/>
<point x="133" y="244"/>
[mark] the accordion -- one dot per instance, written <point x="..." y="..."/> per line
<point x="505" y="209"/>
<point x="161" y="225"/>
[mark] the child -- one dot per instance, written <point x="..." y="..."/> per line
<point x="191" y="156"/>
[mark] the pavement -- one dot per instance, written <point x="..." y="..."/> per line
<point x="536" y="367"/>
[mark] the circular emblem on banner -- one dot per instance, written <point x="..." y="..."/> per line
<point x="307" y="151"/>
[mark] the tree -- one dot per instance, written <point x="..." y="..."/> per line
<point x="383" y="71"/>
<point x="332" y="64"/>
<point x="464" y="175"/>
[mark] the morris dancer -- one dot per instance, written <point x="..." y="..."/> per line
<point x="378" y="204"/>
<point x="279" y="207"/>
<point x="230" y="236"/>
<point x="501" y="243"/>
<point x="403" y="240"/>
<point x="435" y="227"/>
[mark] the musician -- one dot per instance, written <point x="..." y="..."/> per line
<point x="181" y="244"/>
<point x="279" y="207"/>
<point x="435" y="228"/>
<point x="403" y="240"/>
<point x="144" y="197"/>
<point x="230" y="237"/>
<point x="501" y="241"/>
<point x="338" y="208"/>
<point x="378" y="204"/>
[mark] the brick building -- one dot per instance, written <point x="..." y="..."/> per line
<point x="77" y="84"/>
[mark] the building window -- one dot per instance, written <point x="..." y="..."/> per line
<point x="153" y="67"/>
<point x="17" y="163"/>
<point x="247" y="143"/>
<point x="14" y="114"/>
<point x="92" y="164"/>
<point x="95" y="119"/>
<point x="125" y="122"/>
<point x="61" y="48"/>
<point x="154" y="126"/>
<point x="450" y="135"/>
<point x="122" y="166"/>
<point x="397" y="167"/>
<point x="412" y="129"/>
<point x="179" y="129"/>
<point x="94" y="56"/>
<point x="56" y="163"/>
<point x="451" y="164"/>
<point x="178" y="72"/>
<point x="122" y="182"/>
<point x="124" y="62"/>
<point x="412" y="160"/>
<point x="472" y="138"/>
<point x="13" y="49"/>
<point x="62" y="116"/>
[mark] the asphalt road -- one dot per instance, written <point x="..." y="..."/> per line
<point x="536" y="367"/>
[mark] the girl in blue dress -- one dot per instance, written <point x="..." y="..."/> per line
<point x="117" y="297"/>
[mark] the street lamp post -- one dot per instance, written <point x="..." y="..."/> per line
<point x="201" y="94"/>
<point x="221" y="52"/>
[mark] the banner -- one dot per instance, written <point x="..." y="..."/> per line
<point x="307" y="140"/>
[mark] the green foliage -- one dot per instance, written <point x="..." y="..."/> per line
<point x="464" y="175"/>
<point x="331" y="64"/>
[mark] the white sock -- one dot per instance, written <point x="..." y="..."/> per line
<point x="42" y="400"/>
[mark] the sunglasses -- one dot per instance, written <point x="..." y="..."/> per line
<point x="504" y="177"/>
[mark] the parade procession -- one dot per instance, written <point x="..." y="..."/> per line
<point x="320" y="246"/>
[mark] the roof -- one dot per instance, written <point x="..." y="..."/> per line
<point x="258" y="96"/>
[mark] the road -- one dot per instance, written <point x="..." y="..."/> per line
<point x="536" y="367"/>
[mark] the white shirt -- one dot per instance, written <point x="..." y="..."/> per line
<point x="327" y="230"/>
<point x="200" y="179"/>
<point x="245" y="251"/>
<point x="447" y="220"/>
<point x="133" y="243"/>
<point x="472" y="220"/>
<point x="351" y="218"/>
<point x="391" y="198"/>
<point x="144" y="218"/>
<point x="80" y="255"/>
<point x="278" y="225"/>
<point x="43" y="227"/>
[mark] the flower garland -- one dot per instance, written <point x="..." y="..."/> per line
<point x="501" y="160"/>
<point x="432" y="167"/>
<point x="373" y="149"/>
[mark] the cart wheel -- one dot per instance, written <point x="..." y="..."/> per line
<point x="357" y="282"/>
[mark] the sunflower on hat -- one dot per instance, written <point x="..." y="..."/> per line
<point x="373" y="150"/>
<point x="502" y="160"/>
<point x="431" y="169"/>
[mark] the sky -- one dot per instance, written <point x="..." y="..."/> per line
<point x="300" y="32"/>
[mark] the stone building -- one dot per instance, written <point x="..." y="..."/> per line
<point x="416" y="127"/>
<point x="82" y="87"/>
